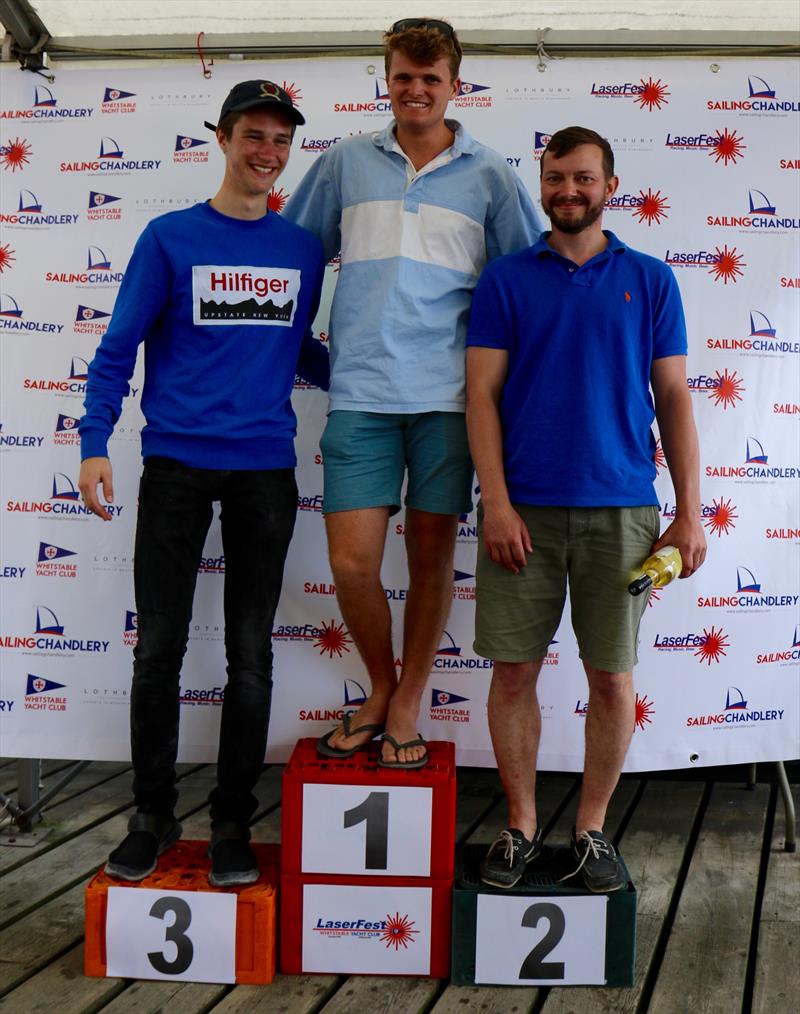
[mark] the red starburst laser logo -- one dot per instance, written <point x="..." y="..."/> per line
<point x="653" y="94"/>
<point x="713" y="647"/>
<point x="333" y="639"/>
<point x="728" y="147"/>
<point x="653" y="597"/>
<point x="644" y="709"/>
<point x="659" y="458"/>
<point x="653" y="207"/>
<point x="276" y="200"/>
<point x="398" y="931"/>
<point x="728" y="265"/>
<point x="723" y="517"/>
<point x="727" y="390"/>
<point x="14" y="155"/>
<point x="7" y="257"/>
<point x="292" y="90"/>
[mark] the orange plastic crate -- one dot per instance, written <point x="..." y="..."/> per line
<point x="184" y="867"/>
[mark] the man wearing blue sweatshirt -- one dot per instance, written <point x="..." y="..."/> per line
<point x="416" y="210"/>
<point x="222" y="295"/>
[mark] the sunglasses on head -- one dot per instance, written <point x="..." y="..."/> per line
<point x="439" y="26"/>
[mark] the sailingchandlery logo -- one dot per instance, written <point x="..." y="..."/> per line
<point x="255" y="295"/>
<point x="736" y="712"/>
<point x="45" y="107"/>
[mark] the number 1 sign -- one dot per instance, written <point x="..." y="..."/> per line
<point x="365" y="830"/>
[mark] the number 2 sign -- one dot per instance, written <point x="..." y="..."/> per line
<point x="540" y="941"/>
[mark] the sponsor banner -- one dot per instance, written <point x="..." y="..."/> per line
<point x="708" y="168"/>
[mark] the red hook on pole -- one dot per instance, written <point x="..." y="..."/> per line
<point x="206" y="71"/>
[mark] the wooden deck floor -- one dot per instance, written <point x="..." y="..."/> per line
<point x="718" y="913"/>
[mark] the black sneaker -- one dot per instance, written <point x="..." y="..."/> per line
<point x="149" y="834"/>
<point x="232" y="860"/>
<point x="598" y="862"/>
<point x="508" y="856"/>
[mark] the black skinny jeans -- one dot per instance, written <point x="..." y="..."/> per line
<point x="257" y="520"/>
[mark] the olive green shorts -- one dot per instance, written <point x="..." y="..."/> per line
<point x="594" y="551"/>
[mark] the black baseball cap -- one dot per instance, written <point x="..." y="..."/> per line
<point x="249" y="94"/>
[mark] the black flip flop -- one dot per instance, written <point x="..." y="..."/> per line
<point x="404" y="765"/>
<point x="324" y="749"/>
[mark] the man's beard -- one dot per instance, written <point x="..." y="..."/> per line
<point x="572" y="226"/>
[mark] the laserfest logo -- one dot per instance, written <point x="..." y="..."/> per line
<point x="649" y="207"/>
<point x="708" y="646"/>
<point x="643" y="709"/>
<point x="7" y="257"/>
<point x="723" y="146"/>
<point x="723" y="388"/>
<point x="722" y="263"/>
<point x="650" y="94"/>
<point x="15" y="154"/>
<point x="328" y="638"/>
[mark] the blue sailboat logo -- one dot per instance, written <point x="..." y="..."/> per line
<point x="755" y="456"/>
<point x="757" y="329"/>
<point x="757" y="208"/>
<point x="43" y="627"/>
<point x="750" y="585"/>
<point x="98" y="259"/>
<point x="734" y="705"/>
<point x="448" y="649"/>
<point x="761" y="90"/>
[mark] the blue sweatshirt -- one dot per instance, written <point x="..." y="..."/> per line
<point x="224" y="308"/>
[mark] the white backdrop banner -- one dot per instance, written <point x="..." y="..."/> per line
<point x="708" y="163"/>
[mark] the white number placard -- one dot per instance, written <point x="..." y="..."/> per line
<point x="183" y="935"/>
<point x="540" y="941"/>
<point x="378" y="830"/>
<point x="366" y="930"/>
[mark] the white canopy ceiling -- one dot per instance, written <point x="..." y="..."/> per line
<point x="174" y="23"/>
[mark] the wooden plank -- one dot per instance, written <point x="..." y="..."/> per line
<point x="777" y="981"/>
<point x="551" y="793"/>
<point x="382" y="994"/>
<point x="56" y="921"/>
<point x="176" y="997"/>
<point x="94" y="794"/>
<point x="653" y="847"/>
<point x="704" y="967"/>
<point x="287" y="994"/>
<point x="61" y="988"/>
<point x="78" y="858"/>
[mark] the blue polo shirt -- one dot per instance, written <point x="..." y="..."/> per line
<point x="576" y="406"/>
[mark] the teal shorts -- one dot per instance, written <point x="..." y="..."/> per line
<point x="595" y="551"/>
<point x="366" y="455"/>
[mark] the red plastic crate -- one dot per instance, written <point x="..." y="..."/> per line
<point x="307" y="767"/>
<point x="293" y="916"/>
<point x="184" y="867"/>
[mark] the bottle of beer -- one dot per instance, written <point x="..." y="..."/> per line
<point x="657" y="570"/>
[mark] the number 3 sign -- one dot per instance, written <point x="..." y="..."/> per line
<point x="182" y="935"/>
<point x="540" y="941"/>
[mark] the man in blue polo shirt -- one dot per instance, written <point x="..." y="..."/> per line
<point x="565" y="341"/>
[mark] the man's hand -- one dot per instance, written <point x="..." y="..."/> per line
<point x="506" y="538"/>
<point x="93" y="472"/>
<point x="687" y="535"/>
